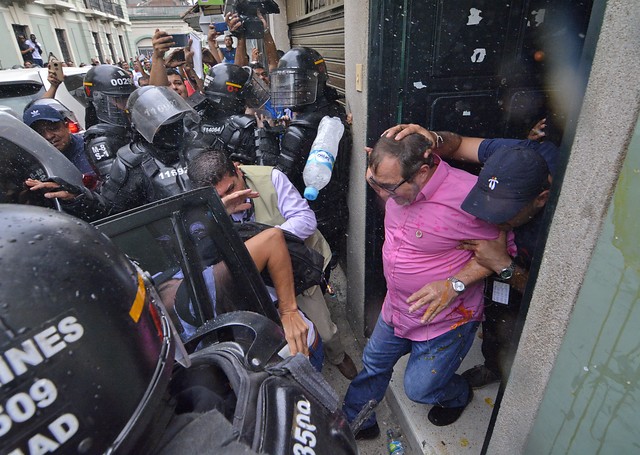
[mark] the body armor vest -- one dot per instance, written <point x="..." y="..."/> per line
<point x="236" y="133"/>
<point x="101" y="144"/>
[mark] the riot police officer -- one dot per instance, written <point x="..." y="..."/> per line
<point x="108" y="87"/>
<point x="154" y="165"/>
<point x="228" y="90"/>
<point x="300" y="84"/>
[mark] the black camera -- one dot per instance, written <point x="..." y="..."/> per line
<point x="247" y="11"/>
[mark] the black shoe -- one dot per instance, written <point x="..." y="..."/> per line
<point x="371" y="432"/>
<point x="441" y="417"/>
<point x="480" y="376"/>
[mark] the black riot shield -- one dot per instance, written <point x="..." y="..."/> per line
<point x="25" y="154"/>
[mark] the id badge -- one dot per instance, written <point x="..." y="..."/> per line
<point x="500" y="292"/>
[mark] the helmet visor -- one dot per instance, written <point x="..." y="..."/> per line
<point x="257" y="92"/>
<point x="293" y="87"/>
<point x="154" y="108"/>
<point x="111" y="108"/>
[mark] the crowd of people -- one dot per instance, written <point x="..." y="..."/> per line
<point x="457" y="247"/>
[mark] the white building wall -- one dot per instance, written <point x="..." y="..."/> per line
<point x="73" y="17"/>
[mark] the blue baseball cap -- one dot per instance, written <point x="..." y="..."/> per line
<point x="511" y="178"/>
<point x="41" y="112"/>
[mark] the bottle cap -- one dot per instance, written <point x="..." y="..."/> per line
<point x="310" y="193"/>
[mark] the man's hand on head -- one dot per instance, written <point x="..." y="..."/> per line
<point x="237" y="201"/>
<point x="435" y="296"/>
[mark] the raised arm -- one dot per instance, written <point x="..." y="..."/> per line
<point x="445" y="143"/>
<point x="161" y="43"/>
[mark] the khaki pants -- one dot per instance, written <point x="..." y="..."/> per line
<point x="315" y="307"/>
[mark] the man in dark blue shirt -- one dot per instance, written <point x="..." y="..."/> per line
<point x="51" y="125"/>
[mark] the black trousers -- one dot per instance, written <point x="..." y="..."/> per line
<point x="497" y="335"/>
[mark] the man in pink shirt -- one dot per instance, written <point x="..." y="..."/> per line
<point x="434" y="289"/>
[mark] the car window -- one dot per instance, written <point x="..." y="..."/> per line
<point x="17" y="95"/>
<point x="15" y="167"/>
<point x="73" y="83"/>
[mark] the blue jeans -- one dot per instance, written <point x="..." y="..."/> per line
<point x="430" y="375"/>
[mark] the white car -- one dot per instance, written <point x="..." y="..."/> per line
<point x="21" y="86"/>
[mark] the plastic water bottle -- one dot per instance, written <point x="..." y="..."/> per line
<point x="395" y="446"/>
<point x="317" y="171"/>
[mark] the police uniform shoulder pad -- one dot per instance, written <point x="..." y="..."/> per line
<point x="242" y="121"/>
<point x="131" y="155"/>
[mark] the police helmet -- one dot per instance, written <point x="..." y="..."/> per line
<point x="108" y="87"/>
<point x="232" y="88"/>
<point x="86" y="346"/>
<point x="150" y="108"/>
<point x="301" y="75"/>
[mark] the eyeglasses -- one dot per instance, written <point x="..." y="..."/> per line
<point x="390" y="189"/>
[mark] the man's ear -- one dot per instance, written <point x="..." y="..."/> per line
<point x="542" y="198"/>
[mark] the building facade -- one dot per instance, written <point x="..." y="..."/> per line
<point x="76" y="30"/>
<point x="147" y="16"/>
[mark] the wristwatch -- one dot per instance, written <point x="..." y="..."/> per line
<point x="507" y="272"/>
<point x="456" y="284"/>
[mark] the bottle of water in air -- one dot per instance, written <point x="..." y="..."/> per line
<point x="317" y="171"/>
<point x="394" y="444"/>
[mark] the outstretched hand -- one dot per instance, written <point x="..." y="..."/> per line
<point x="51" y="190"/>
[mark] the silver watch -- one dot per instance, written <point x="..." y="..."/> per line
<point x="456" y="284"/>
<point x="507" y="272"/>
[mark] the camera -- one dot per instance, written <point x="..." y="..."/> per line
<point x="247" y="11"/>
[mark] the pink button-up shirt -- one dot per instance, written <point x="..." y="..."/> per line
<point x="420" y="248"/>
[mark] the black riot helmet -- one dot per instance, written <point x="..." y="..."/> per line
<point x="108" y="87"/>
<point x="300" y="78"/>
<point x="231" y="88"/>
<point x="86" y="346"/>
<point x="151" y="108"/>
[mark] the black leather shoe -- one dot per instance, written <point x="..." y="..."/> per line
<point x="480" y="376"/>
<point x="441" y="417"/>
<point x="347" y="368"/>
<point x="368" y="433"/>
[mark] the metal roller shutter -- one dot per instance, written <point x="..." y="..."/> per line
<point x="324" y="32"/>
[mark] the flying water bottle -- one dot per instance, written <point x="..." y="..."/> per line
<point x="394" y="444"/>
<point x="317" y="171"/>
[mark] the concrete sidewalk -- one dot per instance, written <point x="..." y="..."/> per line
<point x="397" y="412"/>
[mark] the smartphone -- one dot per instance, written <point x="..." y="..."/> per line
<point x="221" y="27"/>
<point x="55" y="66"/>
<point x="177" y="55"/>
<point x="180" y="39"/>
